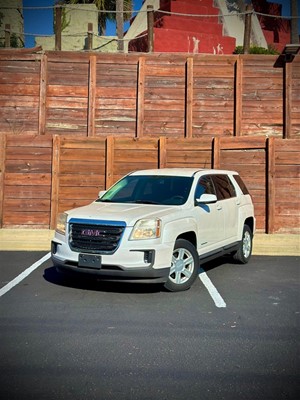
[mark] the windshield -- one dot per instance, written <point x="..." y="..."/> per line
<point x="149" y="189"/>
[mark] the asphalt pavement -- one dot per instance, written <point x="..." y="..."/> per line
<point x="70" y="339"/>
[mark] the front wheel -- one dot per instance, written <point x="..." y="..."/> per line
<point x="184" y="266"/>
<point x="243" y="254"/>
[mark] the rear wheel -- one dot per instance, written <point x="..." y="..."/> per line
<point x="244" y="252"/>
<point x="184" y="266"/>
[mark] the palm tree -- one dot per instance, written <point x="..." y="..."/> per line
<point x="108" y="6"/>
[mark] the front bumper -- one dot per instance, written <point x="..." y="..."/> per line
<point x="115" y="273"/>
<point x="131" y="265"/>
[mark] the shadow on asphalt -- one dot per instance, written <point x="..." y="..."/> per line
<point x="51" y="275"/>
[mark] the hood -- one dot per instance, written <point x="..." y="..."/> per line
<point x="126" y="212"/>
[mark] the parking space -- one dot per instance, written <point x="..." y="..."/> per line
<point x="81" y="339"/>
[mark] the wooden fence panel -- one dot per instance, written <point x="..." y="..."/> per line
<point x="78" y="172"/>
<point x="287" y="186"/>
<point x="19" y="95"/>
<point x="164" y="97"/>
<point x="248" y="158"/>
<point x="116" y="92"/>
<point x="67" y="96"/>
<point x="131" y="154"/>
<point x="185" y="153"/>
<point x="262" y="101"/>
<point x="213" y="96"/>
<point x="27" y="182"/>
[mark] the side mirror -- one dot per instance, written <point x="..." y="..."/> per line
<point x="207" y="199"/>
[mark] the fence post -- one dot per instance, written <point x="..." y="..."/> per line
<point x="43" y="95"/>
<point x="92" y="95"/>
<point x="238" y="96"/>
<point x="189" y="97"/>
<point x="216" y="152"/>
<point x="162" y="152"/>
<point x="150" y="24"/>
<point x="90" y="36"/>
<point x="287" y="100"/>
<point x="140" y="98"/>
<point x="58" y="28"/>
<point x="247" y="32"/>
<point x="109" y="162"/>
<point x="270" y="183"/>
<point x="7" y="35"/>
<point x="55" y="179"/>
<point x="2" y="172"/>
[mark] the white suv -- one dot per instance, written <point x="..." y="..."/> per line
<point x="157" y="226"/>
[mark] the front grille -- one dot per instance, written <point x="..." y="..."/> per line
<point x="99" y="237"/>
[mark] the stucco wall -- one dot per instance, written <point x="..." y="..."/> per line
<point x="139" y="24"/>
<point x="14" y="17"/>
<point x="74" y="35"/>
<point x="233" y="24"/>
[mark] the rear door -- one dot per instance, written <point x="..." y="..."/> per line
<point x="210" y="218"/>
<point x="229" y="203"/>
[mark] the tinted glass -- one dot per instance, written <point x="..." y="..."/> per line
<point x="205" y="185"/>
<point x="168" y="190"/>
<point x="241" y="184"/>
<point x="224" y="187"/>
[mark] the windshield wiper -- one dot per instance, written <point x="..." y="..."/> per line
<point x="104" y="200"/>
<point x="145" y="202"/>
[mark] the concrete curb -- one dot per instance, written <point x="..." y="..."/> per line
<point x="276" y="245"/>
<point x="25" y="239"/>
<point x="40" y="240"/>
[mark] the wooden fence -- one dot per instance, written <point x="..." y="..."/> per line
<point x="43" y="175"/>
<point x="72" y="123"/>
<point x="137" y="95"/>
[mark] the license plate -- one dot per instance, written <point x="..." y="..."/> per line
<point x="89" y="261"/>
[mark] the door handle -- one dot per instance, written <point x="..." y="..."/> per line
<point x="219" y="208"/>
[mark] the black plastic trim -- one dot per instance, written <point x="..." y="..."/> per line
<point x="119" y="273"/>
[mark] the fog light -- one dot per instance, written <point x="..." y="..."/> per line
<point x="149" y="256"/>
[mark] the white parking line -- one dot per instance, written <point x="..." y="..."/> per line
<point x="23" y="275"/>
<point x="215" y="295"/>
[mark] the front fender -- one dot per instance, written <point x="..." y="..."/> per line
<point x="175" y="228"/>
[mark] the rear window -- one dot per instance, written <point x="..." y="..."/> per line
<point x="224" y="187"/>
<point x="241" y="184"/>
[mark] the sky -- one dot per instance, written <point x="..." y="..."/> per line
<point x="40" y="22"/>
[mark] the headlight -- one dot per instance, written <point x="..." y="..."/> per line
<point x="146" y="229"/>
<point x="61" y="223"/>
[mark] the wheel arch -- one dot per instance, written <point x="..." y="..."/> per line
<point x="181" y="229"/>
<point x="250" y="222"/>
<point x="190" y="237"/>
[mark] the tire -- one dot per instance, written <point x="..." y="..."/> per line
<point x="243" y="254"/>
<point x="184" y="266"/>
